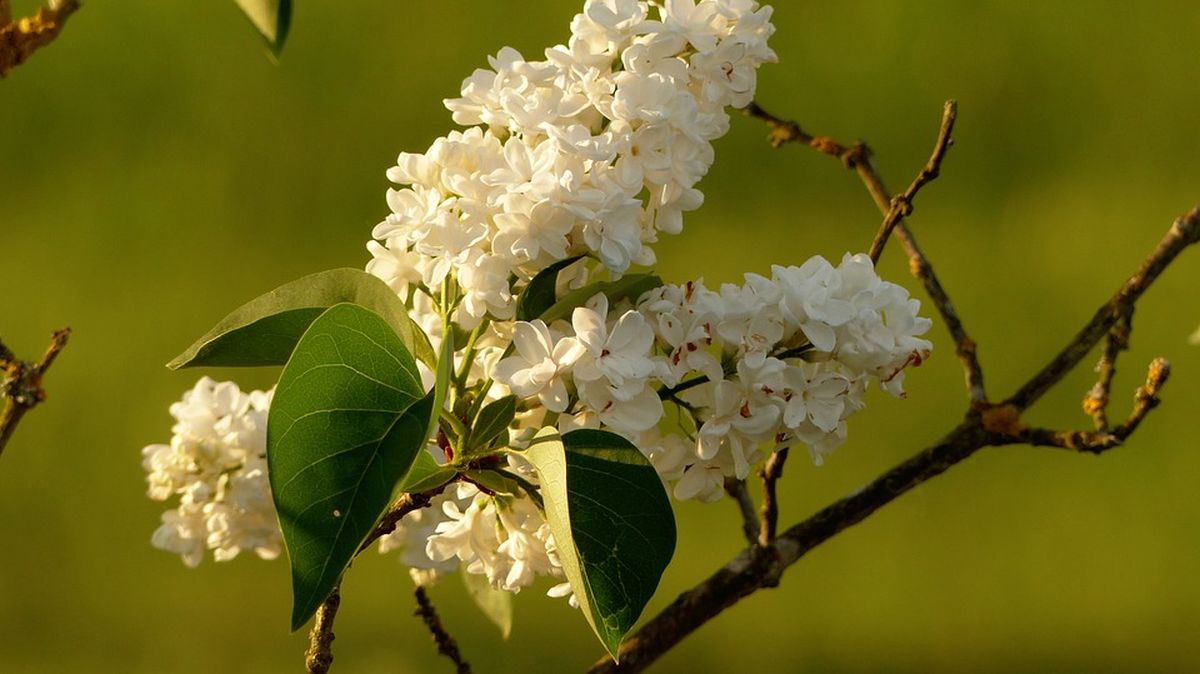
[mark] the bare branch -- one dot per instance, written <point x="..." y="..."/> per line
<point x="902" y="204"/>
<point x="771" y="472"/>
<point x="759" y="567"/>
<point x="1099" y="441"/>
<point x="1146" y="397"/>
<point x="1096" y="401"/>
<point x="1183" y="233"/>
<point x="21" y="384"/>
<point x="445" y="643"/>
<point x="319" y="656"/>
<point x="741" y="495"/>
<point x="858" y="158"/>
<point x="19" y="39"/>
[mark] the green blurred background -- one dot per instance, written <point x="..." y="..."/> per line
<point x="157" y="169"/>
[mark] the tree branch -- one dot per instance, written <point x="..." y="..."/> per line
<point x="20" y="38"/>
<point x="858" y="158"/>
<point x="1183" y="233"/>
<point x="1096" y="401"/>
<point x="445" y="643"/>
<point x="984" y="425"/>
<point x="405" y="504"/>
<point x="902" y="204"/>
<point x="21" y="384"/>
<point x="319" y="656"/>
<point x="741" y="495"/>
<point x="771" y="472"/>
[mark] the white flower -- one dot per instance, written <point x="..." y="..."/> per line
<point x="632" y="415"/>
<point x="691" y="21"/>
<point x="727" y="74"/>
<point x="621" y="357"/>
<point x="216" y="464"/>
<point x="394" y="265"/>
<point x="537" y="366"/>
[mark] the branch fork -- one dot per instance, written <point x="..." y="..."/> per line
<point x="21" y="384"/>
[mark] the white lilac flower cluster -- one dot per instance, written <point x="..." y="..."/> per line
<point x="216" y="464"/>
<point x="503" y="538"/>
<point x="594" y="150"/>
<point x="591" y="152"/>
<point x="773" y="363"/>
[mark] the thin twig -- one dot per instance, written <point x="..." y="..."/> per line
<point x="405" y="504"/>
<point x="1183" y="233"/>
<point x="1099" y="441"/>
<point x="319" y="656"/>
<point x="1096" y="401"/>
<point x="771" y="472"/>
<point x="902" y="204"/>
<point x="20" y="38"/>
<point x="741" y="495"/>
<point x="858" y="158"/>
<point x="445" y="643"/>
<point x="1146" y="397"/>
<point x="21" y="384"/>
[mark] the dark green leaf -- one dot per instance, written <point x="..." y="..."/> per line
<point x="493" y="421"/>
<point x="630" y="286"/>
<point x="272" y="18"/>
<point x="495" y="604"/>
<point x="264" y="330"/>
<point x="612" y="524"/>
<point x="346" y="423"/>
<point x="539" y="295"/>
<point x="425" y="474"/>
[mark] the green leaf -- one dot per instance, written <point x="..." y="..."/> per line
<point x="493" y="421"/>
<point x="539" y="295"/>
<point x="630" y="286"/>
<point x="425" y="474"/>
<point x="495" y="604"/>
<point x="272" y="18"/>
<point x="612" y="523"/>
<point x="346" y="423"/>
<point x="493" y="481"/>
<point x="265" y="330"/>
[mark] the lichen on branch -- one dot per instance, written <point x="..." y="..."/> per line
<point x="21" y="37"/>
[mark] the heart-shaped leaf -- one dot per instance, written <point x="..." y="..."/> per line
<point x="346" y="423"/>
<point x="612" y="524"/>
<point x="272" y="18"/>
<point x="265" y="330"/>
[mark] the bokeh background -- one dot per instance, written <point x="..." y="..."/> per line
<point x="157" y="169"/>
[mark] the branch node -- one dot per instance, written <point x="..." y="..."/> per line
<point x="1001" y="419"/>
<point x="20" y="39"/>
<point x="21" y="384"/>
